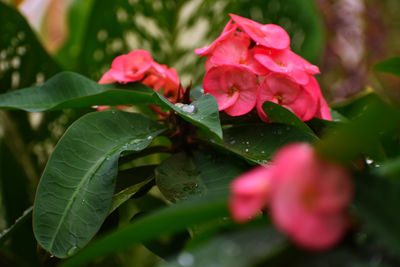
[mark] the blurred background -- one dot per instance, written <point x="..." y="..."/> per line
<point x="39" y="38"/>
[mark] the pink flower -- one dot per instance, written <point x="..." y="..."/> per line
<point x="250" y="193"/>
<point x="286" y="62"/>
<point x="234" y="51"/>
<point x="268" y="35"/>
<point x="128" y="68"/>
<point x="234" y="87"/>
<point x="309" y="197"/>
<point x="162" y="77"/>
<point x="323" y="111"/>
<point x="227" y="32"/>
<point x="278" y="88"/>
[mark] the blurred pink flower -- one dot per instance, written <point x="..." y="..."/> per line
<point x="280" y="89"/>
<point x="307" y="196"/>
<point x="250" y="193"/>
<point x="234" y="87"/>
<point x="310" y="197"/>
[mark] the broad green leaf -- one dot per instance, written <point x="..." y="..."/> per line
<point x="390" y="65"/>
<point x="376" y="202"/>
<point x="277" y="113"/>
<point x="75" y="192"/>
<point x="258" y="142"/>
<point x="166" y="221"/>
<point x="202" y="112"/>
<point x="238" y="249"/>
<point x="371" y="118"/>
<point x="390" y="168"/>
<point x="72" y="90"/>
<point x="23" y="60"/>
<point x="184" y="176"/>
<point x="178" y="178"/>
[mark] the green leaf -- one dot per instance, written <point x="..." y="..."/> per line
<point x="258" y="142"/>
<point x="167" y="221"/>
<point x="238" y="249"/>
<point x="376" y="202"/>
<point x="72" y="90"/>
<point x="277" y="113"/>
<point x="74" y="194"/>
<point x="121" y="197"/>
<point x="178" y="178"/>
<point x="183" y="176"/>
<point x="391" y="66"/>
<point x="371" y="118"/>
<point x="202" y="112"/>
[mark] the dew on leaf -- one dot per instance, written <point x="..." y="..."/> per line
<point x="186" y="108"/>
<point x="185" y="259"/>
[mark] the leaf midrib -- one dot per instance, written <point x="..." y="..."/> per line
<point x="89" y="174"/>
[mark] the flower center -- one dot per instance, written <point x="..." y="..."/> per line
<point x="232" y="91"/>
<point x="279" y="98"/>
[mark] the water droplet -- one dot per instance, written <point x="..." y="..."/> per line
<point x="263" y="152"/>
<point x="149" y="137"/>
<point x="186" y="108"/>
<point x="369" y="161"/>
<point x="52" y="256"/>
<point x="233" y="141"/>
<point x="202" y="91"/>
<point x="212" y="140"/>
<point x="72" y="250"/>
<point x="247" y="150"/>
<point x="247" y="142"/>
<point x="185" y="259"/>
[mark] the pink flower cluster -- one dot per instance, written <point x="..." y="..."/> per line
<point x="307" y="197"/>
<point x="139" y="66"/>
<point x="250" y="63"/>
